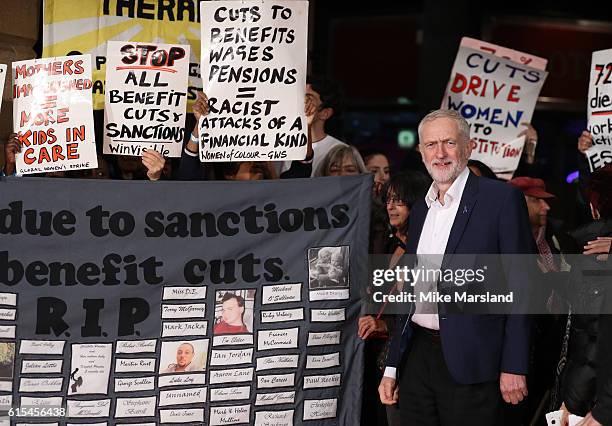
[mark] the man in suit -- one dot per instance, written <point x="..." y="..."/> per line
<point x="448" y="368"/>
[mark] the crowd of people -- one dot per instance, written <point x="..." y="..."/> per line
<point x="431" y="368"/>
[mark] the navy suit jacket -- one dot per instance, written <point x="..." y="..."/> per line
<point x="492" y="218"/>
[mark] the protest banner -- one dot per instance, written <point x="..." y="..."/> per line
<point x="254" y="73"/>
<point x="3" y="69"/>
<point x="84" y="26"/>
<point x="599" y="110"/>
<point x="53" y="115"/>
<point x="146" y="98"/>
<point x="157" y="305"/>
<point x="495" y="95"/>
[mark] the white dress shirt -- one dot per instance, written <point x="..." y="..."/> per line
<point x="434" y="238"/>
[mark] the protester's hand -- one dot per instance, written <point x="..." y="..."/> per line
<point x="531" y="140"/>
<point x="309" y="150"/>
<point x="513" y="387"/>
<point x="310" y="109"/>
<point x="154" y="162"/>
<point x="200" y="108"/>
<point x="589" y="421"/>
<point x="565" y="417"/>
<point x="388" y="391"/>
<point x="11" y="148"/>
<point x="369" y="325"/>
<point x="600" y="246"/>
<point x="585" y="141"/>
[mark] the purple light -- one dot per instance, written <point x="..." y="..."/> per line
<point x="572" y="176"/>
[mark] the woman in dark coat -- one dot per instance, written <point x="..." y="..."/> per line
<point x="587" y="377"/>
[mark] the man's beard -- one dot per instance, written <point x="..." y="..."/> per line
<point x="452" y="170"/>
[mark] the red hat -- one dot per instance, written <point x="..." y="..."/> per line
<point x="531" y="186"/>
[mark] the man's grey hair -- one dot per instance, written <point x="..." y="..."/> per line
<point x="462" y="125"/>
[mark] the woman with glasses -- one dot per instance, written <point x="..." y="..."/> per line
<point x="399" y="194"/>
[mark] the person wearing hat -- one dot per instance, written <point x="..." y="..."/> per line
<point x="535" y="194"/>
<point x="547" y="329"/>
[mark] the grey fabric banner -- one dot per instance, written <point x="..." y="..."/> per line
<point x="182" y="302"/>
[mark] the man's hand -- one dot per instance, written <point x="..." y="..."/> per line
<point x="310" y="109"/>
<point x="589" y="421"/>
<point x="600" y="246"/>
<point x="200" y="108"/>
<point x="369" y="325"/>
<point x="11" y="148"/>
<point x="531" y="140"/>
<point x="565" y="417"/>
<point x="513" y="387"/>
<point x="388" y="391"/>
<point x="154" y="162"/>
<point x="585" y="141"/>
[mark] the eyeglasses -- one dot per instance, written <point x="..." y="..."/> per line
<point x="396" y="202"/>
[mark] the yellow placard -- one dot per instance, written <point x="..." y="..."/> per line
<point x="84" y="26"/>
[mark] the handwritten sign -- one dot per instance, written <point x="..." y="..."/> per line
<point x="495" y="95"/>
<point x="146" y="98"/>
<point x="3" y="69"/>
<point x="254" y="73"/>
<point x="53" y="115"/>
<point x="599" y="112"/>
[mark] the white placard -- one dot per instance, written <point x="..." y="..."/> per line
<point x="277" y="339"/>
<point x="229" y="415"/>
<point x="281" y="293"/>
<point x="3" y="68"/>
<point x="323" y="360"/>
<point x="327" y="315"/>
<point x="193" y="310"/>
<point x="275" y="398"/>
<point x="9" y="299"/>
<point x="323" y="338"/>
<point x="135" y="407"/>
<point x="230" y="394"/>
<point x="256" y="87"/>
<point x="145" y="98"/>
<point x="329" y="294"/>
<point x="47" y="384"/>
<point x="52" y="401"/>
<point x="181" y="380"/>
<point x="134" y="384"/>
<point x="231" y="357"/>
<point x="182" y="396"/>
<point x="7" y="331"/>
<point x="184" y="292"/>
<point x="233" y="375"/>
<point x="282" y="315"/>
<point x="184" y="328"/>
<point x="42" y="347"/>
<point x="90" y="368"/>
<point x="323" y="381"/>
<point x="134" y="365"/>
<point x="8" y="314"/>
<point x="53" y="113"/>
<point x="136" y="346"/>
<point x="274" y="418"/>
<point x="184" y="415"/>
<point x="495" y="95"/>
<point x="275" y="381"/>
<point x="40" y="366"/>
<point x="320" y="409"/>
<point x="277" y="361"/>
<point x="89" y="409"/>
<point x="599" y="110"/>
